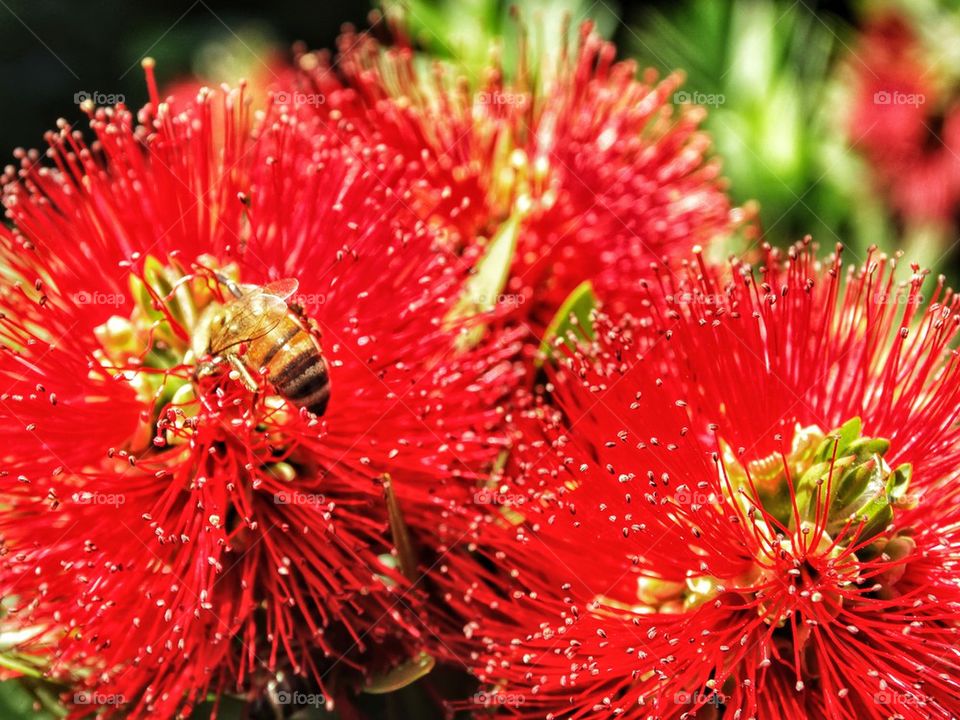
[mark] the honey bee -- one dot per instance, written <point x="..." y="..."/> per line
<point x="257" y="330"/>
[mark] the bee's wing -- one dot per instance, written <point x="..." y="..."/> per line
<point x="282" y="289"/>
<point x="251" y="317"/>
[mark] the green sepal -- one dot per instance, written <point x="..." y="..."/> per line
<point x="573" y="321"/>
<point x="863" y="489"/>
<point x="488" y="281"/>
<point x="899" y="483"/>
<point x="155" y="277"/>
<point x="401" y="675"/>
<point x="856" y="485"/>
<point x="170" y="286"/>
<point x="841" y="438"/>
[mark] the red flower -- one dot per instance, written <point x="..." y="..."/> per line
<point x="745" y="496"/>
<point x="167" y="531"/>
<point x="904" y="123"/>
<point x="601" y="172"/>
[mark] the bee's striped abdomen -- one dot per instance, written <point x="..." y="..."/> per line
<point x="294" y="365"/>
<point x="305" y="381"/>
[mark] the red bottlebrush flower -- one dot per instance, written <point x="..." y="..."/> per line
<point x="169" y="530"/>
<point x="601" y="172"/>
<point x="906" y="126"/>
<point x="746" y="498"/>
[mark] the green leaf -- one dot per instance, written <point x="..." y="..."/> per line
<point x="579" y="305"/>
<point x="486" y="284"/>
<point x="15" y="701"/>
<point x="19" y="698"/>
<point x="11" y="662"/>
<point x="401" y="676"/>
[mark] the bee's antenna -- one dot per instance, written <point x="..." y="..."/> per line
<point x="229" y="284"/>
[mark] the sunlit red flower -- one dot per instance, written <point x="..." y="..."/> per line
<point x="904" y="121"/>
<point x="166" y="531"/>
<point x="743" y="501"/>
<point x="595" y="168"/>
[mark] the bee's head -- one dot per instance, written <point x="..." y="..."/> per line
<point x="207" y="335"/>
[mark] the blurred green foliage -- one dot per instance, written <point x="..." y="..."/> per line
<point x="465" y="31"/>
<point x="28" y="698"/>
<point x="766" y="70"/>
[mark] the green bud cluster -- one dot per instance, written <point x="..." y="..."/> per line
<point x="849" y="480"/>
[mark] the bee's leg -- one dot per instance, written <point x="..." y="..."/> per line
<point x="204" y="369"/>
<point x="207" y="367"/>
<point x="296" y="308"/>
<point x="306" y="321"/>
<point x="249" y="382"/>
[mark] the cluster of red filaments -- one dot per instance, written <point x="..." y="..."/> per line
<point x="588" y="158"/>
<point x="757" y="508"/>
<point x="174" y="532"/>
<point x="744" y="486"/>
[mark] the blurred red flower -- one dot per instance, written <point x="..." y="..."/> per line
<point x="742" y="500"/>
<point x="601" y="173"/>
<point x="905" y="123"/>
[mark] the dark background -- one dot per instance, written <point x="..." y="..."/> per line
<point x="52" y="49"/>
